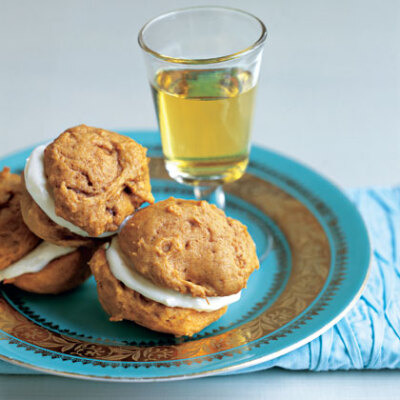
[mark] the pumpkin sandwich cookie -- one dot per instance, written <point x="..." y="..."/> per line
<point x="174" y="267"/>
<point x="83" y="185"/>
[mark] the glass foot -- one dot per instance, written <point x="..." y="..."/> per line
<point x="214" y="195"/>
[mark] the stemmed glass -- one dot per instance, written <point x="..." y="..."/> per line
<point x="203" y="65"/>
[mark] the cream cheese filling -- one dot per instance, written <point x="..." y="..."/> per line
<point x="36" y="185"/>
<point x="35" y="261"/>
<point x="170" y="298"/>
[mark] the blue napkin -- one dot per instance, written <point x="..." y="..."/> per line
<point x="368" y="337"/>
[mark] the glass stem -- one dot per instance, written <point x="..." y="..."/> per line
<point x="212" y="194"/>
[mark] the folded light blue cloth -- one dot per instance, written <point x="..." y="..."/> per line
<point x="368" y="337"/>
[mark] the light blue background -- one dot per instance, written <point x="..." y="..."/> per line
<point x="329" y="95"/>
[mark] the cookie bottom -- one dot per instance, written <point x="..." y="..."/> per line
<point x="121" y="302"/>
<point x="41" y="225"/>
<point x="60" y="275"/>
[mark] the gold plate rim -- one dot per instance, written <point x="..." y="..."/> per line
<point x="200" y="374"/>
<point x="210" y="372"/>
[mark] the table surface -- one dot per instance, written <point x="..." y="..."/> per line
<point x="328" y="96"/>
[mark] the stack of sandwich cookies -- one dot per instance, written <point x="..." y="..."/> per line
<point x="174" y="267"/>
<point x="25" y="260"/>
<point x="75" y="193"/>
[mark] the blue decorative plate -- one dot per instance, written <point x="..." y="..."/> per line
<point x="314" y="273"/>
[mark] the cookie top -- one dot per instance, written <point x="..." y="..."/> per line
<point x="16" y="239"/>
<point x="97" y="177"/>
<point x="189" y="246"/>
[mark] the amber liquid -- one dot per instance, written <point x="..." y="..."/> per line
<point x="205" y="119"/>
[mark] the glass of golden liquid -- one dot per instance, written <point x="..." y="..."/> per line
<point x="203" y="65"/>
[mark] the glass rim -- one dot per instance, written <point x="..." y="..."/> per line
<point x="212" y="60"/>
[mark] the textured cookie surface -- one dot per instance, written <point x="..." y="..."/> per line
<point x="39" y="223"/>
<point x="120" y="303"/>
<point x="189" y="246"/>
<point x="16" y="240"/>
<point x="97" y="177"/>
<point x="60" y="275"/>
